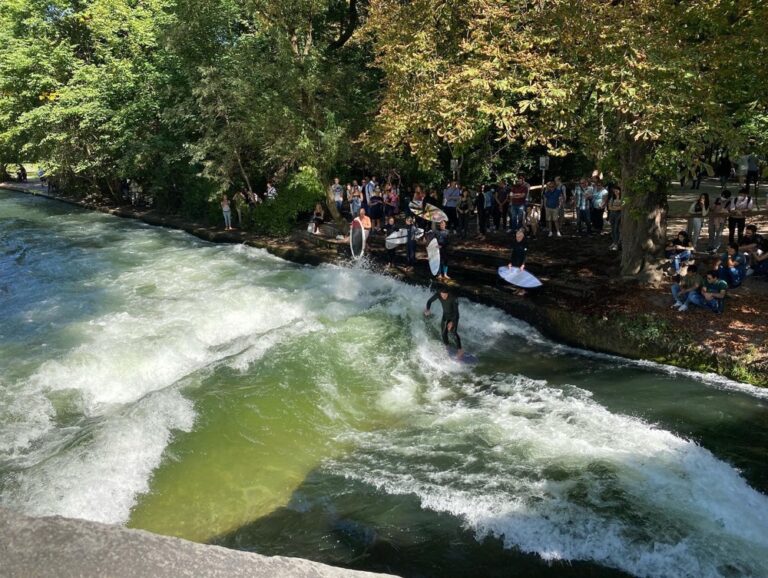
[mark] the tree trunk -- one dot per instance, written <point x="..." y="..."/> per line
<point x="643" y="227"/>
<point x="338" y="220"/>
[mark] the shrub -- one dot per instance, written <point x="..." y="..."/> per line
<point x="300" y="194"/>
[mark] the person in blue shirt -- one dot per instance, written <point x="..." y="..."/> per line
<point x="553" y="200"/>
<point x="733" y="266"/>
<point x="679" y="250"/>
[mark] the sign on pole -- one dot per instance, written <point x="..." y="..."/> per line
<point x="543" y="163"/>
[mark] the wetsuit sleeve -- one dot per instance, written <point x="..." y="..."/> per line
<point x="432" y="300"/>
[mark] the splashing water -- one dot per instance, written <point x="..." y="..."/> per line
<point x="154" y="380"/>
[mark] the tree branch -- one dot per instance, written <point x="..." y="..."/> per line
<point x="349" y="26"/>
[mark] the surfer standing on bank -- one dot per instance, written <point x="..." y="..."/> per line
<point x="450" y="322"/>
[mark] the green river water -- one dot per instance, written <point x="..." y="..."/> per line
<point x="220" y="394"/>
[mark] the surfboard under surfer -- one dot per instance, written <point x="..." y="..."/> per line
<point x="450" y="321"/>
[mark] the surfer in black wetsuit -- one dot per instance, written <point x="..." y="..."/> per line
<point x="519" y="253"/>
<point x="450" y="321"/>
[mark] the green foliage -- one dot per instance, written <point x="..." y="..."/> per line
<point x="303" y="191"/>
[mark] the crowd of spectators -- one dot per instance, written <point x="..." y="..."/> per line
<point x="745" y="254"/>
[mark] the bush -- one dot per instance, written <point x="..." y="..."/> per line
<point x="300" y="194"/>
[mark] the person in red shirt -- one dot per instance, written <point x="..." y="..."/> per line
<point x="518" y="196"/>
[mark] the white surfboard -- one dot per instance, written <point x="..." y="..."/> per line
<point x="427" y="211"/>
<point x="518" y="277"/>
<point x="357" y="239"/>
<point x="401" y="238"/>
<point x="433" y="254"/>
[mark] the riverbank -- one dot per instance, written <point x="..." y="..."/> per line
<point x="583" y="303"/>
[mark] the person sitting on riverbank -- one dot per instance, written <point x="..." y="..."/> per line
<point x="759" y="259"/>
<point x="678" y="251"/>
<point x="318" y="217"/>
<point x="733" y="267"/>
<point x="689" y="285"/>
<point x="750" y="244"/>
<point x="714" y="292"/>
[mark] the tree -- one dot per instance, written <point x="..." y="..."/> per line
<point x="637" y="85"/>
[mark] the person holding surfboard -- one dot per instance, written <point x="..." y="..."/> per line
<point x="450" y="322"/>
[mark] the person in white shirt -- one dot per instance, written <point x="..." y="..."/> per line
<point x="582" y="198"/>
<point x="599" y="199"/>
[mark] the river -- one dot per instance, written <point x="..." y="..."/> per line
<point x="220" y="394"/>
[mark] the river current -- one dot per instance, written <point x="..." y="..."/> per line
<point x="220" y="394"/>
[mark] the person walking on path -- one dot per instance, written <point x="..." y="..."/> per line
<point x="450" y="321"/>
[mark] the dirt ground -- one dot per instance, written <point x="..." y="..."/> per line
<point x="574" y="261"/>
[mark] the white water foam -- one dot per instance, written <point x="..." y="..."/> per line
<point x="100" y="477"/>
<point x="564" y="478"/>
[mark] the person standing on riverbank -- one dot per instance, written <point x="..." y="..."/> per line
<point x="697" y="211"/>
<point x="239" y="201"/>
<point x="451" y="197"/>
<point x="443" y="241"/>
<point x="582" y="198"/>
<point x="553" y="200"/>
<point x="518" y="197"/>
<point x="716" y="221"/>
<point x="271" y="193"/>
<point x="449" y="326"/>
<point x="500" y="203"/>
<point x="737" y="220"/>
<point x="599" y="198"/>
<point x="337" y="191"/>
<point x="227" y="213"/>
<point x="615" y="210"/>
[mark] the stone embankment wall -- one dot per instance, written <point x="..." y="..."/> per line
<point x="62" y="548"/>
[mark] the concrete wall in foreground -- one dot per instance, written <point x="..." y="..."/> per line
<point x="63" y="548"/>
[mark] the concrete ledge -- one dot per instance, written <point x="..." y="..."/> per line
<point x="63" y="548"/>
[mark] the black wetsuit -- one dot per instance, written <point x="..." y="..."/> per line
<point x="519" y="252"/>
<point x="450" y="315"/>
